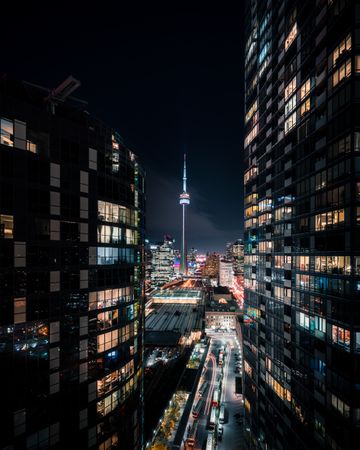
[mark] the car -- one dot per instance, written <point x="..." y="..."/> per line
<point x="220" y="432"/>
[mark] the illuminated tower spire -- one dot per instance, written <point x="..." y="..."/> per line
<point x="184" y="201"/>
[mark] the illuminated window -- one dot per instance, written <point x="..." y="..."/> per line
<point x="341" y="336"/>
<point x="305" y="107"/>
<point x="6" y="226"/>
<point x="304" y="321"/>
<point x="341" y="406"/>
<point x="265" y="218"/>
<point x="107" y="341"/>
<point x="305" y="89"/>
<point x="302" y="281"/>
<point x="108" y="234"/>
<point x="320" y="324"/>
<point x="290" y="105"/>
<point x="342" y="72"/>
<point x="333" y="264"/>
<point x="250" y="223"/>
<point x="247" y="369"/>
<point x="344" y="45"/>
<point x="290" y="88"/>
<point x="290" y="123"/>
<point x="251" y="135"/>
<point x="19" y="310"/>
<point x="263" y="66"/>
<point x="115" y="255"/>
<point x="6" y="132"/>
<point x="251" y="211"/>
<point x="263" y="52"/>
<point x="250" y="198"/>
<point x="253" y="108"/>
<point x="265" y="205"/>
<point x="250" y="174"/>
<point x="112" y="212"/>
<point x="263" y="23"/>
<point x="357" y="63"/>
<point x="107" y="319"/>
<point x="320" y="180"/>
<point x="303" y="263"/>
<point x="329" y="219"/>
<point x="283" y="213"/>
<point x="291" y="36"/>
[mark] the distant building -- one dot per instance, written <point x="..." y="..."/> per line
<point x="211" y="268"/>
<point x="238" y="257"/>
<point x="235" y="253"/>
<point x="162" y="262"/>
<point x="191" y="261"/>
<point x="226" y="273"/>
<point x="222" y="310"/>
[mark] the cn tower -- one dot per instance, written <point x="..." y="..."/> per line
<point x="184" y="201"/>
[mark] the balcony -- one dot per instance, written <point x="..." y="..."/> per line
<point x="288" y="148"/>
<point x="320" y="78"/>
<point x="320" y="99"/>
<point x="287" y="165"/>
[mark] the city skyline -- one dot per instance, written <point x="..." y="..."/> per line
<point x="133" y="318"/>
<point x="167" y="96"/>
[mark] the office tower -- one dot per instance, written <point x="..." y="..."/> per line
<point x="162" y="262"/>
<point x="184" y="201"/>
<point x="235" y="253"/>
<point x="211" y="267"/>
<point x="226" y="273"/>
<point x="302" y="216"/>
<point x="71" y="252"/>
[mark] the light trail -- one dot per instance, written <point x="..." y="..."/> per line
<point x="226" y="373"/>
<point x="212" y="385"/>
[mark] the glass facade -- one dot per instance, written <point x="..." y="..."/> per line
<point x="301" y="238"/>
<point x="71" y="277"/>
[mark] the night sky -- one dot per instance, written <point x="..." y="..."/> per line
<point x="169" y="85"/>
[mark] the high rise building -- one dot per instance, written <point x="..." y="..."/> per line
<point x="211" y="267"/>
<point x="235" y="253"/>
<point x="184" y="201"/>
<point x="302" y="217"/>
<point x="238" y="252"/>
<point x="162" y="262"/>
<point x="226" y="273"/>
<point x="71" y="252"/>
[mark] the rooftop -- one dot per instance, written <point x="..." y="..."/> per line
<point x="222" y="305"/>
<point x="166" y="323"/>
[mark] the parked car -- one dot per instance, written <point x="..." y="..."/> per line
<point x="220" y="432"/>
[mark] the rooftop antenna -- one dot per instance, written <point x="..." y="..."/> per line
<point x="61" y="92"/>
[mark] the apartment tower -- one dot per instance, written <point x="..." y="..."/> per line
<point x="302" y="218"/>
<point x="71" y="292"/>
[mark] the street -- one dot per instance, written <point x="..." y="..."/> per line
<point x="224" y="376"/>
